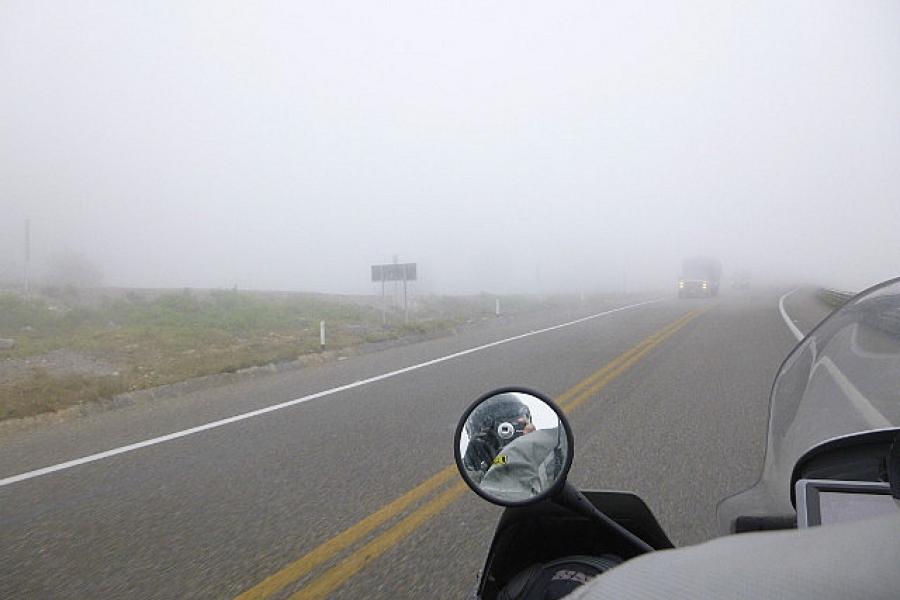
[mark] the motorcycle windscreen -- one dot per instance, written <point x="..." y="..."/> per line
<point x="843" y="378"/>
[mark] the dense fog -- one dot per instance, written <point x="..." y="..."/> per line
<point x="503" y="146"/>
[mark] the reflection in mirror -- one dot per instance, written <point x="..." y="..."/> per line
<point x="513" y="447"/>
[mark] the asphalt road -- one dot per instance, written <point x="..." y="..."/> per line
<point x="291" y="493"/>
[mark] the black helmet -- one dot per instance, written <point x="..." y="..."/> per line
<point x="499" y="417"/>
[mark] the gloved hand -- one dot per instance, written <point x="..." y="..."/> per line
<point x="481" y="452"/>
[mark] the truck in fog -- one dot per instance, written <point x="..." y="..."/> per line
<point x="699" y="277"/>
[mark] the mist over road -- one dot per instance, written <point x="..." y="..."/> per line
<point x="215" y="513"/>
<point x="190" y="190"/>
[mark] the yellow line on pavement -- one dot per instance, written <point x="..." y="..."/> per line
<point x="629" y="359"/>
<point x="340" y="573"/>
<point x="579" y="387"/>
<point x="348" y="537"/>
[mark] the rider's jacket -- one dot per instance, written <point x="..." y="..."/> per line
<point x="526" y="466"/>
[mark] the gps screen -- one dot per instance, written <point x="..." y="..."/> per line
<point x="840" y="507"/>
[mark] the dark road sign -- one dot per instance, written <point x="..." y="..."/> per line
<point x="394" y="272"/>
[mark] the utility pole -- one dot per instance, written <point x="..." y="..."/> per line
<point x="27" y="254"/>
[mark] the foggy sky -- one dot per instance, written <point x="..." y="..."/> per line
<point x="503" y="146"/>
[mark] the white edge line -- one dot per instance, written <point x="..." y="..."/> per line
<point x="261" y="411"/>
<point x="865" y="407"/>
<point x="794" y="329"/>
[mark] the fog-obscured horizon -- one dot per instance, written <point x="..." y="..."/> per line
<point x="505" y="147"/>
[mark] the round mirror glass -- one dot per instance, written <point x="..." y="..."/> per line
<point x="514" y="447"/>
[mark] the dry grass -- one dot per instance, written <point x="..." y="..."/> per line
<point x="171" y="337"/>
<point x="42" y="392"/>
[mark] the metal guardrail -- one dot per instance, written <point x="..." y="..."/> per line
<point x="834" y="297"/>
<point x="888" y="321"/>
<point x="885" y="317"/>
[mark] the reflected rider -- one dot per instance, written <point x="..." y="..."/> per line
<point x="493" y="425"/>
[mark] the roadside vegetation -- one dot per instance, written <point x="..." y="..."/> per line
<point x="72" y="346"/>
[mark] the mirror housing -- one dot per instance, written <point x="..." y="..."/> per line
<point x="514" y="447"/>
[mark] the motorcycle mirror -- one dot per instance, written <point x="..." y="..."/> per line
<point x="513" y="446"/>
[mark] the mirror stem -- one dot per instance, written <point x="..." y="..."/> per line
<point x="570" y="497"/>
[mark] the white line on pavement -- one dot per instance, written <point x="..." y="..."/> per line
<point x="255" y="413"/>
<point x="794" y="329"/>
<point x="863" y="405"/>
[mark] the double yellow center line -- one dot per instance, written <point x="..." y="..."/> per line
<point x="335" y="576"/>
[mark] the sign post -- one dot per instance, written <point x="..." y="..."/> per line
<point x="383" y="304"/>
<point x="405" y="301"/>
<point x="404" y="272"/>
